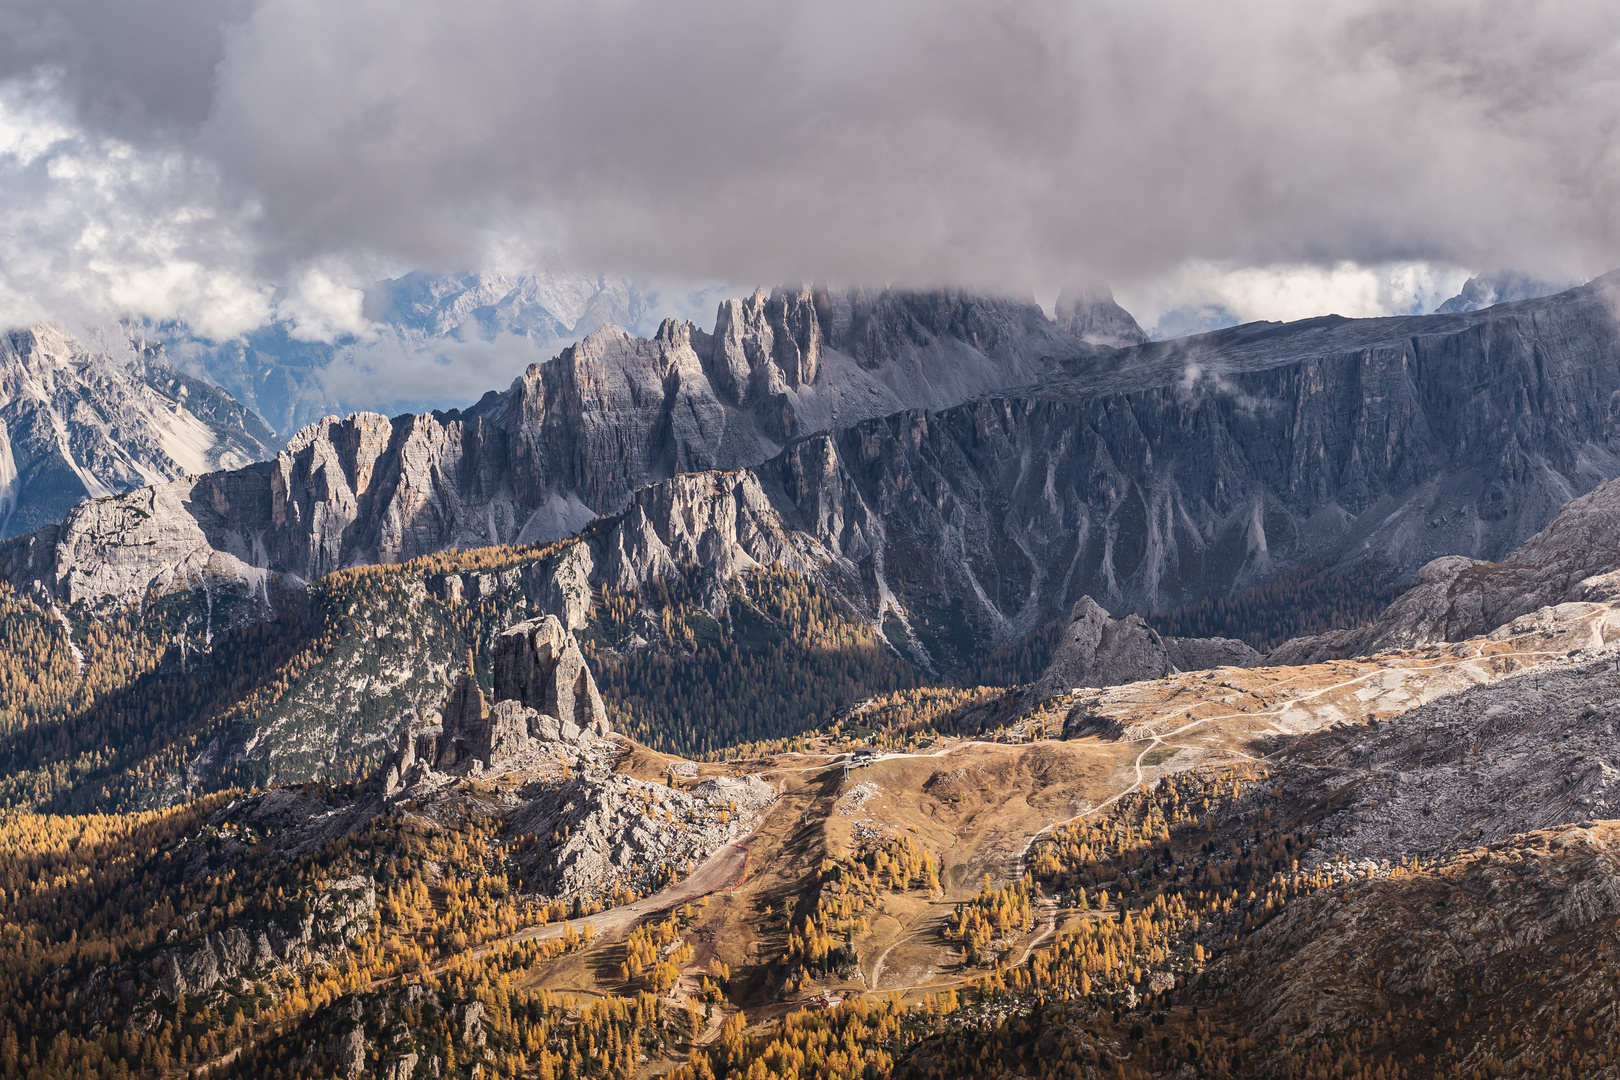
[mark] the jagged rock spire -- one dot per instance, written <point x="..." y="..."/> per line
<point x="545" y="700"/>
<point x="1091" y="314"/>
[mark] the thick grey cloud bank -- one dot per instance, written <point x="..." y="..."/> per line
<point x="232" y="160"/>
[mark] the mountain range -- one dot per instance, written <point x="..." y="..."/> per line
<point x="78" y="422"/>
<point x="1150" y="476"/>
<point x="887" y="685"/>
<point x="572" y="438"/>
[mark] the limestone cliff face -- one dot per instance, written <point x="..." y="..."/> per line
<point x="78" y="422"/>
<point x="569" y="440"/>
<point x="538" y="665"/>
<point x="1177" y="470"/>
<point x="1142" y="477"/>
<point x="722" y="523"/>
<point x="1224" y="459"/>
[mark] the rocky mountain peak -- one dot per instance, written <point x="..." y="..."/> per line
<point x="546" y="703"/>
<point x="80" y="421"/>
<point x="1501" y="287"/>
<point x="1099" y="650"/>
<point x="572" y="437"/>
<point x="538" y="664"/>
<point x="897" y="327"/>
<point x="765" y="345"/>
<point x="1091" y="315"/>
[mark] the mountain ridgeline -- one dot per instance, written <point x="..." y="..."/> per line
<point x="570" y="440"/>
<point x="831" y="496"/>
<point x="1148" y="477"/>
<point x="78" y="422"/>
<point x="1156" y="476"/>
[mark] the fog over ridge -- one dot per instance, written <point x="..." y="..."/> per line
<point x="227" y="162"/>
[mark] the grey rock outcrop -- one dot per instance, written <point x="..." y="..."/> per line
<point x="465" y="733"/>
<point x="348" y="1052"/>
<point x="546" y="702"/>
<point x="1099" y="650"/>
<point x="614" y="831"/>
<point x="1201" y="654"/>
<point x="538" y="664"/>
<point x="471" y="1022"/>
<point x="153" y="538"/>
<point x="342" y="912"/>
<point x="375" y="1031"/>
<point x="78" y="422"/>
<point x="1533" y="751"/>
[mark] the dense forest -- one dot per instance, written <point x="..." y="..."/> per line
<point x="787" y="658"/>
<point x="105" y="901"/>
<point x="111" y="709"/>
<point x="412" y="949"/>
<point x="1310" y="599"/>
<point x="846" y="891"/>
<point x="784" y="659"/>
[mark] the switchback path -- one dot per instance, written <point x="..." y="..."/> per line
<point x="1158" y="740"/>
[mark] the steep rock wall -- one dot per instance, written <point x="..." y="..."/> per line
<point x="82" y="422"/>
<point x="1143" y="477"/>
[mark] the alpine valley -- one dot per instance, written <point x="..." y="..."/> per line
<point x="878" y="684"/>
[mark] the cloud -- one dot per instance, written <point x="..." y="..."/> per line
<point x="1011" y="146"/>
<point x="128" y="69"/>
<point x="389" y="372"/>
<point x="320" y="307"/>
<point x="1291" y="291"/>
<point x="94" y="226"/>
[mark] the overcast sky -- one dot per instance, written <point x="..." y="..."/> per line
<point x="228" y="161"/>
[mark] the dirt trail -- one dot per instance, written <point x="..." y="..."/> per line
<point x="1153" y="743"/>
<point x="877" y="968"/>
<point x="1051" y="928"/>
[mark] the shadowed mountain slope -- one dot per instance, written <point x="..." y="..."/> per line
<point x="1145" y="477"/>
